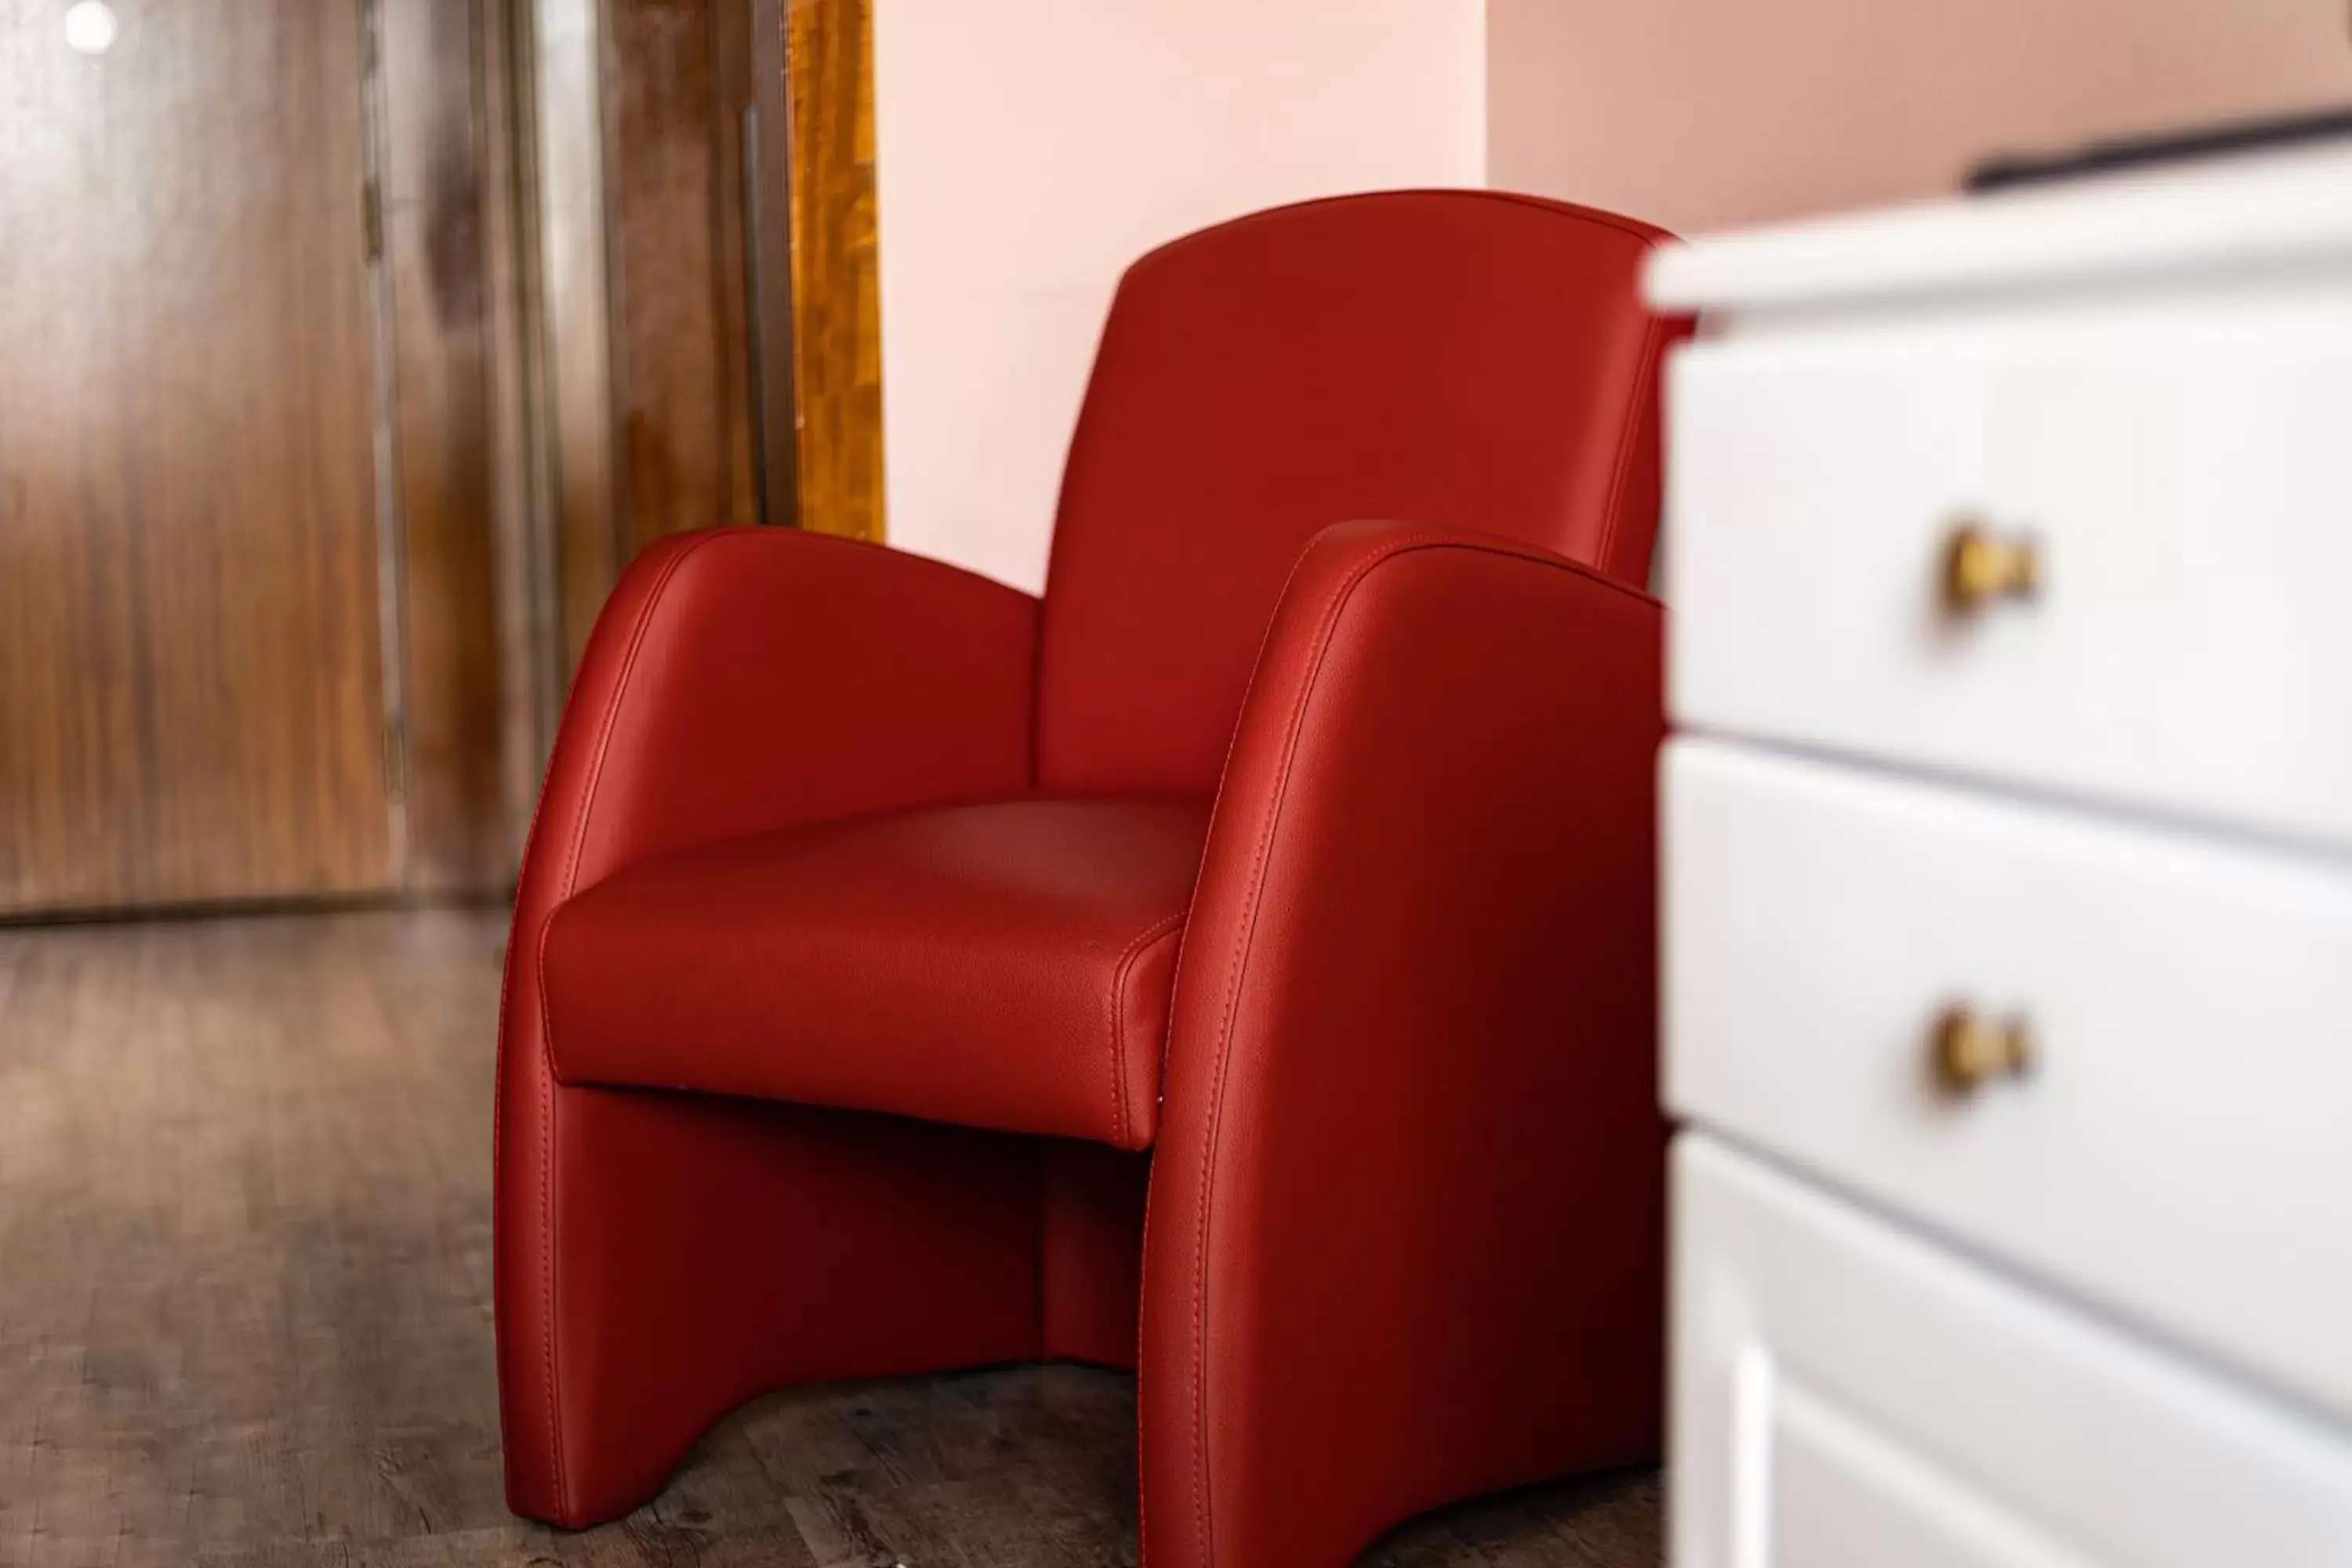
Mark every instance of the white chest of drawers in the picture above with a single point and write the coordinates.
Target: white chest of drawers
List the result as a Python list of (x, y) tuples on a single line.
[(2008, 879)]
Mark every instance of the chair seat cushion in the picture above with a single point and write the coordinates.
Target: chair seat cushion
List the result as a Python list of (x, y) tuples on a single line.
[(1005, 965)]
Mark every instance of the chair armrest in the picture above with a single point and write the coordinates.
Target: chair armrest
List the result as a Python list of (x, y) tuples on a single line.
[(738, 680), (1410, 1163), (745, 679)]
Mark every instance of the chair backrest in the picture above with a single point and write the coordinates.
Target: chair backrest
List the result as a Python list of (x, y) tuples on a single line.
[(1462, 358)]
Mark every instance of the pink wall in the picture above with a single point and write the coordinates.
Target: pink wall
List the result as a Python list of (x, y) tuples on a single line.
[(1702, 113), (1028, 150)]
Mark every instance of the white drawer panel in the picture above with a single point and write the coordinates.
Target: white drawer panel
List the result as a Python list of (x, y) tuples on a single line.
[(2186, 468), (1847, 1395), (2182, 1149)]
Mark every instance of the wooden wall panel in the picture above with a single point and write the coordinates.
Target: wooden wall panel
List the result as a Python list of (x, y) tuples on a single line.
[(677, 79), (568, 324), (532, 686), (836, 297), (453, 717), (190, 693)]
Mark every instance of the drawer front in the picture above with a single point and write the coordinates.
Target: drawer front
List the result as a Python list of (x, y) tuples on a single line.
[(2179, 1146), (2181, 471), (1848, 1395)]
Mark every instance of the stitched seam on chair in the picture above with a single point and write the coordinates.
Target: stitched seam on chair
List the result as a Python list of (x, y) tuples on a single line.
[(547, 1220), (1256, 888), (506, 987), (1253, 899), (609, 722), (619, 695), (498, 1073), (1142, 1389), (1599, 217), (1152, 936), (1628, 441), (1142, 1373), (1649, 235), (506, 984)]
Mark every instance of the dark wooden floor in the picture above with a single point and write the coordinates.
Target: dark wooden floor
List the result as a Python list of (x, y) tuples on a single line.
[(244, 1305)]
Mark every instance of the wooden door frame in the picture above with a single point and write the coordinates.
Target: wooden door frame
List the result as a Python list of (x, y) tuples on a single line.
[(768, 267)]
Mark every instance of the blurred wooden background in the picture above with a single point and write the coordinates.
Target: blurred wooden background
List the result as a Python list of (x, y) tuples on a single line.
[(348, 350)]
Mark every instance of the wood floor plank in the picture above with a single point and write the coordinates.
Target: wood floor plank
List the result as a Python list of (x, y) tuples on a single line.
[(245, 1306)]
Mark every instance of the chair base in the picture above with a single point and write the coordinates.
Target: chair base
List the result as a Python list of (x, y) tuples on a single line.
[(693, 1252), (664, 1258)]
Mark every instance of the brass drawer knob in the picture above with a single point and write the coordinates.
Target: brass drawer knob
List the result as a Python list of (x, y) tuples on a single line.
[(1981, 566), (1967, 1050)]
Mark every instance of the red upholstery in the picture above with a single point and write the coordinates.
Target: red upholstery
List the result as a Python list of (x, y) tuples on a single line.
[(1090, 1250), (1407, 1210), (654, 1254), (839, 847), (1454, 358), (1004, 965)]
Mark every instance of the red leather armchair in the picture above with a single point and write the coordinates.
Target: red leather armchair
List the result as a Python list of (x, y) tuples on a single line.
[(892, 945)]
